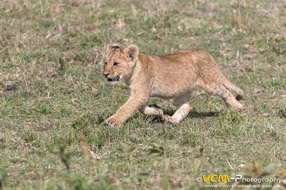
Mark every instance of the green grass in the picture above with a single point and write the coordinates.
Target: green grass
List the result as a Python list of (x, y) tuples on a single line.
[(52, 131)]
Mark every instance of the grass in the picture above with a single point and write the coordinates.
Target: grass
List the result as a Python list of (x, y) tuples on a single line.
[(54, 99)]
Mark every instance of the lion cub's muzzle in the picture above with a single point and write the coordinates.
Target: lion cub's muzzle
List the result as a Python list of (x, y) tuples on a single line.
[(113, 79)]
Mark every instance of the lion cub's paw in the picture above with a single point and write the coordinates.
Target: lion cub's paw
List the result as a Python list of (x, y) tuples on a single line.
[(169, 119), (238, 107), (112, 121)]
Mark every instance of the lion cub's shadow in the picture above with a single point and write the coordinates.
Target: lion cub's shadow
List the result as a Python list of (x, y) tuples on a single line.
[(192, 114)]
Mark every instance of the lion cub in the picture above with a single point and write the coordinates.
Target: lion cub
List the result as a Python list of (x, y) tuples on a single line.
[(169, 77)]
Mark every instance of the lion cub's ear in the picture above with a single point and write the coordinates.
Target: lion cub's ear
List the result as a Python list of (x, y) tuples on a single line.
[(132, 51), (112, 46)]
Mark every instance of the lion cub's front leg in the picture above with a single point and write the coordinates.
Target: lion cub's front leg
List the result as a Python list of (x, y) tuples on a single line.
[(151, 110), (128, 109)]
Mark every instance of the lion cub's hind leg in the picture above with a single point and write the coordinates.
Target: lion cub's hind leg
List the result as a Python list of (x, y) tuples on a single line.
[(183, 109), (225, 94)]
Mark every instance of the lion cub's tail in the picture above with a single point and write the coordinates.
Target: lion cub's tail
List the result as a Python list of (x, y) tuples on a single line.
[(236, 89)]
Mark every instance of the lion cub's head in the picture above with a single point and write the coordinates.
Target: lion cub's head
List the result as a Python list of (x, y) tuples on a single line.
[(119, 62)]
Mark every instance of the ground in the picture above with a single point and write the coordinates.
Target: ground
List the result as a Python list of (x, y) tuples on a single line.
[(54, 99)]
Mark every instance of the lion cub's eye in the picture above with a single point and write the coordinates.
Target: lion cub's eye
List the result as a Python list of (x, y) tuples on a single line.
[(115, 63)]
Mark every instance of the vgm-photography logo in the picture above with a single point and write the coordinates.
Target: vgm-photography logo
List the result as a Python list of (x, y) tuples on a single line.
[(238, 180)]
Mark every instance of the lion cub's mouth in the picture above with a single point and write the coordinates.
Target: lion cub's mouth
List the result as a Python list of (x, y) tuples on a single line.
[(113, 79)]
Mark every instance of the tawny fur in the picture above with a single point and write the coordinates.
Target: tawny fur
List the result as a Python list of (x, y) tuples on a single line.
[(169, 77)]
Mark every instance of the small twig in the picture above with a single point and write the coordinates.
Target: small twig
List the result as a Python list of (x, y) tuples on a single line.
[(229, 165)]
